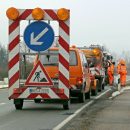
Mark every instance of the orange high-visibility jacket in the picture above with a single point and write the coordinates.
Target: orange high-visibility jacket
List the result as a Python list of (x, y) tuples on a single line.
[(110, 69), (123, 70)]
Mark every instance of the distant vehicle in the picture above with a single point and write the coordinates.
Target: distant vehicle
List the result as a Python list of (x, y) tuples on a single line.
[(79, 71), (95, 58), (94, 81)]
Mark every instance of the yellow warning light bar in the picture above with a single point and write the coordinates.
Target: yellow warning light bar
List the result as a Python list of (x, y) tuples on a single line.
[(38, 14), (96, 51), (63, 14), (12, 13)]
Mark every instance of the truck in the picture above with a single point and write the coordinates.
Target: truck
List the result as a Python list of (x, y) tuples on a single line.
[(94, 55)]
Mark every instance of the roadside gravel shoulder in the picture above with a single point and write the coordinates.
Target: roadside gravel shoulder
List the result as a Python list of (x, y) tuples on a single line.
[(85, 120)]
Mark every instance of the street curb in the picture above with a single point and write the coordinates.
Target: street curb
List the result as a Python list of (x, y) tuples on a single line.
[(128, 83), (68, 119)]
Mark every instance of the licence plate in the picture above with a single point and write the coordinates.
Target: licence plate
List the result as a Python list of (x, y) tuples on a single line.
[(39, 90)]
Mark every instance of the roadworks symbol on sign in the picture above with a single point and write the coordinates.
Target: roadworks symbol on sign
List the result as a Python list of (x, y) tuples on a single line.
[(38, 76)]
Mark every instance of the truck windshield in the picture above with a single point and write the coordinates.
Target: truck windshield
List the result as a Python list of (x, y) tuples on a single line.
[(52, 58)]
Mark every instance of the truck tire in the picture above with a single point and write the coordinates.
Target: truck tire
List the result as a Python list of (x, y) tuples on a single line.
[(18, 104), (100, 85), (81, 97), (66, 105), (94, 92), (103, 86), (37, 100), (87, 95)]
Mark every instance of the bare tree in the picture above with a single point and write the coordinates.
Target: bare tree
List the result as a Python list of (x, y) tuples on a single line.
[(3, 62)]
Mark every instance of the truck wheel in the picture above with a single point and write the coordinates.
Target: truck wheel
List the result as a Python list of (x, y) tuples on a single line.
[(100, 85), (93, 92), (82, 97), (66, 105), (37, 100), (103, 86), (87, 95), (18, 104), (106, 81)]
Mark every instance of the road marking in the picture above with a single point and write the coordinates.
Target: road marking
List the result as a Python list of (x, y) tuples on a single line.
[(78, 111), (3, 86), (2, 103), (97, 97), (116, 93), (72, 116), (126, 88)]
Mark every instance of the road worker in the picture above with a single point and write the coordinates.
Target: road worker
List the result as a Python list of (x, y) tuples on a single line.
[(122, 70), (110, 72)]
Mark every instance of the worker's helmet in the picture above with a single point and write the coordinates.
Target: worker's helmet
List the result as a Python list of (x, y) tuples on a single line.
[(122, 62)]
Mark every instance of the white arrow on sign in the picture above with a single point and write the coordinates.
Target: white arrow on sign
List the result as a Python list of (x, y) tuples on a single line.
[(34, 40)]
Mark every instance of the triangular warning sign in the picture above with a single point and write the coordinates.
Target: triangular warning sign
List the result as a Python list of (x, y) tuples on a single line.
[(38, 76)]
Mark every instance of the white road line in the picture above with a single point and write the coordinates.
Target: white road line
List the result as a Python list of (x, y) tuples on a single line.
[(78, 111), (116, 93), (97, 97), (2, 103), (126, 88), (72, 116)]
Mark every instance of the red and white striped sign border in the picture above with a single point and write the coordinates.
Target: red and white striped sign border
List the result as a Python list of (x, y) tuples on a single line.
[(14, 56)]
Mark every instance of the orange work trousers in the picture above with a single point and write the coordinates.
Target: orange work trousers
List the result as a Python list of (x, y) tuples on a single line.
[(111, 78), (123, 79)]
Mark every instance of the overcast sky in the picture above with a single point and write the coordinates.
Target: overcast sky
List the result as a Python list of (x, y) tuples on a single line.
[(92, 21)]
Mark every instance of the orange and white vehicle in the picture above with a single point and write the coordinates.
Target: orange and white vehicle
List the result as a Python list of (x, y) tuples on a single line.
[(78, 71), (95, 59)]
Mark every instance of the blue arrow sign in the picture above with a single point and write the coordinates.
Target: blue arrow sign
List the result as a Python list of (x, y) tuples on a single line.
[(39, 36)]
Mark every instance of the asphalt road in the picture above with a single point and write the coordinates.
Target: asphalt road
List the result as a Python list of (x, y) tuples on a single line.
[(105, 114), (116, 116), (33, 116)]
